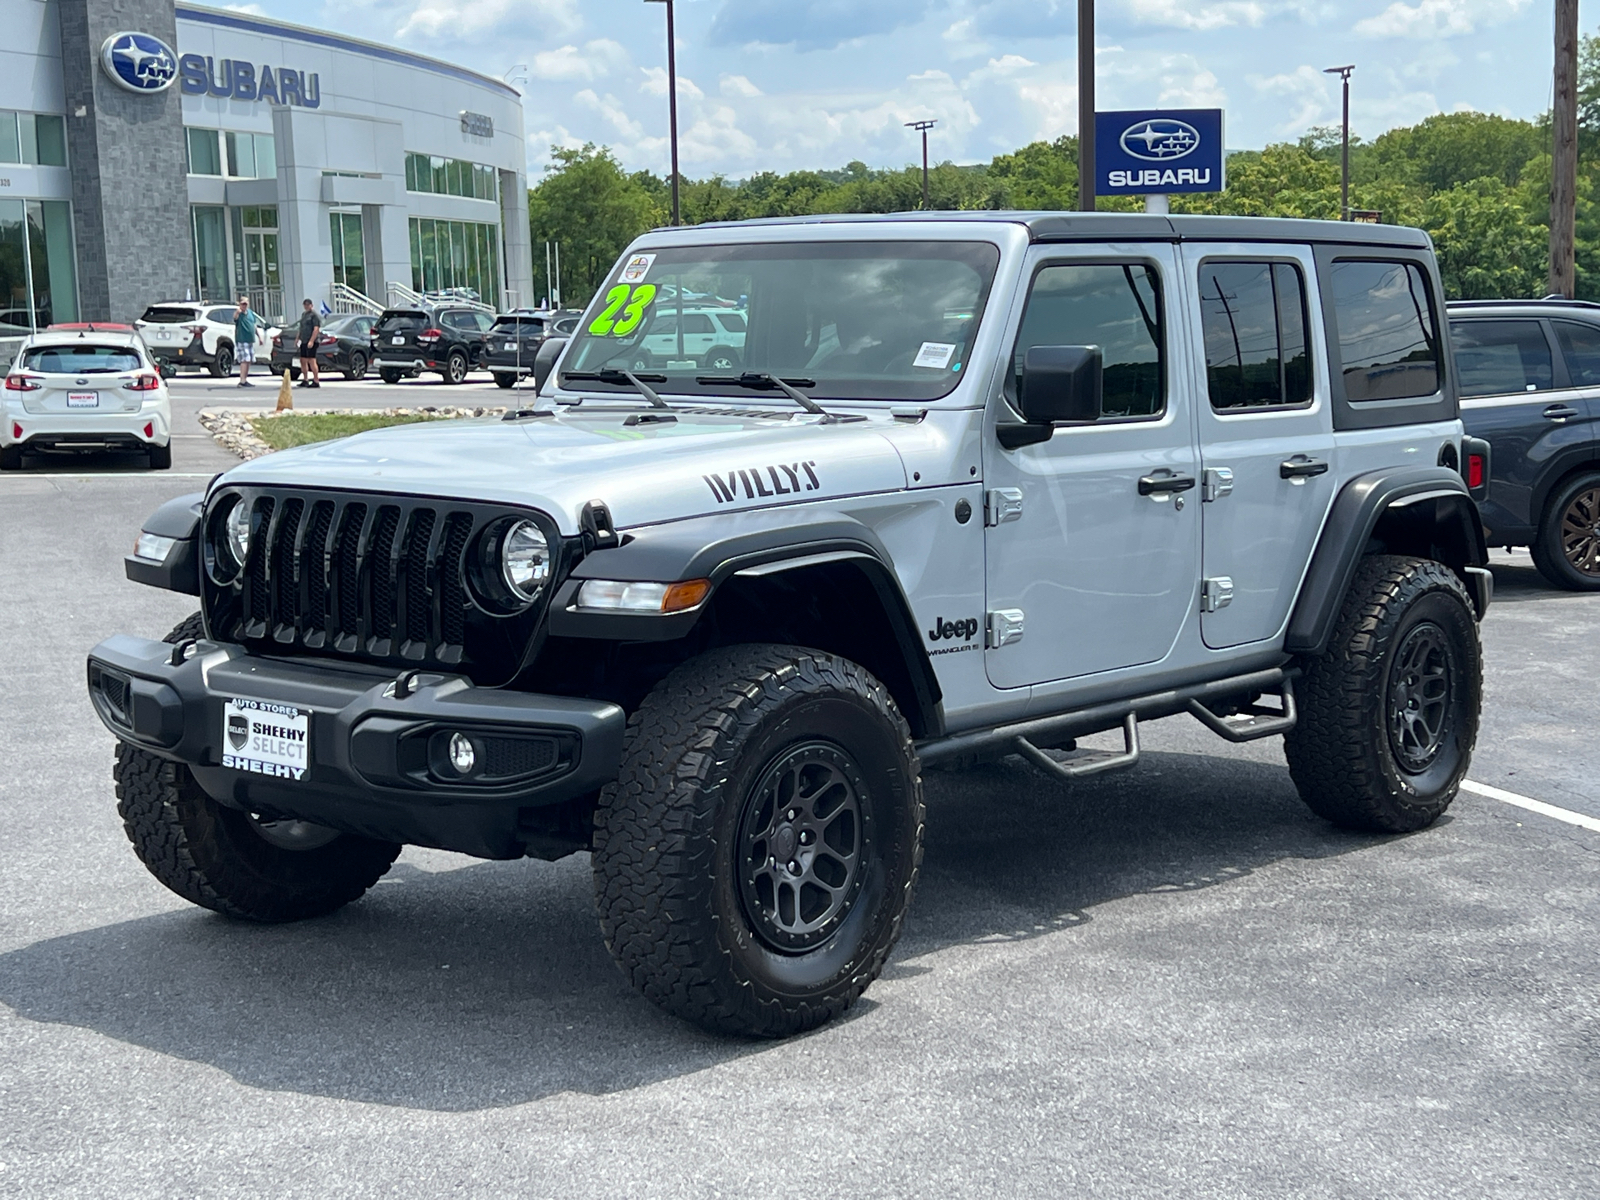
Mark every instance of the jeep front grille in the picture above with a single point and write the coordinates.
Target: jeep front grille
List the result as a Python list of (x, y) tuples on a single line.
[(372, 578)]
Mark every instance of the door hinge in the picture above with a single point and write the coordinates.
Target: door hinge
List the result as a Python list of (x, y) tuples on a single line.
[(1001, 505), (1005, 627), (1216, 483), (1216, 593)]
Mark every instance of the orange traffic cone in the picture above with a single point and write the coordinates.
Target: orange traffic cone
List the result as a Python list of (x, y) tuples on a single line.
[(285, 394)]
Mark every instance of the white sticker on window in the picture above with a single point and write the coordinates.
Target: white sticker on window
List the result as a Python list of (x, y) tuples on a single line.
[(935, 355), (637, 268)]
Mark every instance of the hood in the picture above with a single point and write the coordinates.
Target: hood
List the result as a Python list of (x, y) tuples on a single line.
[(705, 461)]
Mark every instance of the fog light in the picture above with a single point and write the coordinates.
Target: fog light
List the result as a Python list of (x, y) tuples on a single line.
[(462, 756)]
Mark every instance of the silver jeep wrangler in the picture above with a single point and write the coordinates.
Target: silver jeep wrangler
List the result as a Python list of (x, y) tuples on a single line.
[(965, 485)]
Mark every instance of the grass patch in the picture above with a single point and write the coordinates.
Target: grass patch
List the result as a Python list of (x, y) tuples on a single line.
[(296, 429)]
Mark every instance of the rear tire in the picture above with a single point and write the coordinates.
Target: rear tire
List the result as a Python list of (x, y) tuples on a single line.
[(10, 458), (161, 457), (1567, 547), (388, 375), (455, 367), (358, 366), (1389, 713), (722, 360), (222, 362), (738, 764), (503, 380), (229, 861)]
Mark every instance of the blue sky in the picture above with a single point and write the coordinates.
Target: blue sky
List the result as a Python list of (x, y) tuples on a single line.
[(783, 84)]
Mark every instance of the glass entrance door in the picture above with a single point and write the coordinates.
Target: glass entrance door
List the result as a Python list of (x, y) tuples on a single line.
[(255, 258), (349, 252)]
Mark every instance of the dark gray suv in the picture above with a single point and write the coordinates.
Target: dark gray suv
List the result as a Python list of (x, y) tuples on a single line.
[(1529, 373)]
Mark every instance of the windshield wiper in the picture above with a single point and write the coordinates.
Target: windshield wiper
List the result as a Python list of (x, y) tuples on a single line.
[(613, 376), (760, 381)]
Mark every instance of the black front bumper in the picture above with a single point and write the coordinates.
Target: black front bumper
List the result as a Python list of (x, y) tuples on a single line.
[(376, 763)]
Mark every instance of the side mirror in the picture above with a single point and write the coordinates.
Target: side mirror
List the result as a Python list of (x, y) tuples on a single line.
[(544, 362), (1061, 383)]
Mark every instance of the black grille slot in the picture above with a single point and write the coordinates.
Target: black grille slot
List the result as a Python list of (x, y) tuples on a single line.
[(380, 567), (418, 610), (256, 569), (505, 757), (115, 689), (452, 588), (314, 567), (347, 569), (286, 608)]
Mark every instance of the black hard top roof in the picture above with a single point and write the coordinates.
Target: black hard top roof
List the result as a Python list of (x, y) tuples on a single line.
[(1124, 227)]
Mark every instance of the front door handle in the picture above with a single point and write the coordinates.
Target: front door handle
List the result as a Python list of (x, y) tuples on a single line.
[(1164, 483), (1560, 412), (1301, 467)]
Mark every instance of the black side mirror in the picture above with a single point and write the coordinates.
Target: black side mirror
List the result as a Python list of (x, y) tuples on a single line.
[(1059, 383), (544, 362)]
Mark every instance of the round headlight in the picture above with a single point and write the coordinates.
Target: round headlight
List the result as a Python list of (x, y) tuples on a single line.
[(237, 528), (524, 559)]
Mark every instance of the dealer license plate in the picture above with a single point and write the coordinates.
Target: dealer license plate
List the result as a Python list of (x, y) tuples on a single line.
[(397, 340), (83, 399), (265, 738), (511, 345)]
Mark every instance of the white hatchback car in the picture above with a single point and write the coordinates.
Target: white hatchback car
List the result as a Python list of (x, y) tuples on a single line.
[(85, 387)]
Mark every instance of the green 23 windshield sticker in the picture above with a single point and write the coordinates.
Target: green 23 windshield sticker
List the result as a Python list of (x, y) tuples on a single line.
[(630, 303)]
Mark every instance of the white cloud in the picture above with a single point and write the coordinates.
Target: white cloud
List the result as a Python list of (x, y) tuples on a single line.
[(250, 10), (962, 39), (1300, 96), (1182, 14), (612, 111), (471, 20), (1438, 18), (596, 60), (655, 84), (738, 85)]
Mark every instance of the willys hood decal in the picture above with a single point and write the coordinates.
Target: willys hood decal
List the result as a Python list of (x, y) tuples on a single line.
[(647, 471)]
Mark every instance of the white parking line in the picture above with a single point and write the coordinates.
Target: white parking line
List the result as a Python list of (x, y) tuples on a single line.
[(1537, 806)]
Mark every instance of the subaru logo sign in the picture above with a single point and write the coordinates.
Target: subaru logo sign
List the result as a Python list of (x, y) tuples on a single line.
[(1160, 140), (1156, 151), (138, 62)]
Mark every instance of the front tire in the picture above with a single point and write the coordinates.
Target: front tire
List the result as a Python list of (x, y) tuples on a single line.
[(756, 856), (1567, 547), (1389, 714), (233, 862)]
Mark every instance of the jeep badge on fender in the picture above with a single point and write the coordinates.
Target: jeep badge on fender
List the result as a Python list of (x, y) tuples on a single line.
[(689, 606)]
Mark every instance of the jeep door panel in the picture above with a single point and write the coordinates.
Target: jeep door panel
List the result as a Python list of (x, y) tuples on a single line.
[(1266, 432), (1104, 575)]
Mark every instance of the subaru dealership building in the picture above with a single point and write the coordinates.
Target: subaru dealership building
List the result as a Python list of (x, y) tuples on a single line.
[(152, 151)]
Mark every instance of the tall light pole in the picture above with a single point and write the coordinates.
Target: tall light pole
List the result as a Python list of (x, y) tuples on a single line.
[(1564, 154), (1344, 170), (672, 102), (923, 127), (1086, 105)]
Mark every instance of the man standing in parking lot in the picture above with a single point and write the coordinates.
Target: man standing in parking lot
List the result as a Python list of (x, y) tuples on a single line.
[(246, 332), (310, 329)]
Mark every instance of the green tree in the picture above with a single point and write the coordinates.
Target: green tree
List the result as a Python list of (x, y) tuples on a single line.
[(1488, 247), (1284, 180), (1454, 148), (1041, 175), (593, 209)]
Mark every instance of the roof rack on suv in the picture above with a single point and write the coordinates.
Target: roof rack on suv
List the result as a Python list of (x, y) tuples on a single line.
[(1519, 301)]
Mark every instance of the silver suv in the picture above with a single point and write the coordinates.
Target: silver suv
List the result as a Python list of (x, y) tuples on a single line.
[(982, 484)]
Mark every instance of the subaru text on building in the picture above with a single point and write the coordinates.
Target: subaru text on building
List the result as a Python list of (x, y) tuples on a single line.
[(984, 483)]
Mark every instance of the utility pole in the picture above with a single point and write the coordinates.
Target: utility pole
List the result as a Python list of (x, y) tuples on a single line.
[(1086, 105), (1564, 152), (672, 102), (1344, 151), (923, 127)]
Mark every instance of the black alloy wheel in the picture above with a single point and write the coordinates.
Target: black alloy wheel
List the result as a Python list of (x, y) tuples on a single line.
[(455, 367), (358, 366), (222, 362), (1419, 697)]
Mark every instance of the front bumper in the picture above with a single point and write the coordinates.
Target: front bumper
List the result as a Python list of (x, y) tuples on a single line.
[(150, 425), (374, 764)]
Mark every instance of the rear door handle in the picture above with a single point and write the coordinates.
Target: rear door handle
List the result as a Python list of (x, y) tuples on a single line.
[(1301, 467), (1164, 484), (1560, 412)]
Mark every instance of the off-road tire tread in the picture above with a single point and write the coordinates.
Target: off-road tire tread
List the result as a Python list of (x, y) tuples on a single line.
[(174, 829), (653, 843), (1332, 751)]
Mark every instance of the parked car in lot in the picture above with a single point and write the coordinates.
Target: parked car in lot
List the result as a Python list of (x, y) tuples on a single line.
[(1529, 375), (711, 338), (450, 339), (515, 338), (76, 388), (345, 345), (987, 483), (184, 334)]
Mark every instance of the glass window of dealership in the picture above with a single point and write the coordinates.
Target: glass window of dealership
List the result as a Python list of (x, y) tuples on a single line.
[(38, 282)]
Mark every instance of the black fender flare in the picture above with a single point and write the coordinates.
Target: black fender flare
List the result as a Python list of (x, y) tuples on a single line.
[(1348, 532), (179, 519), (752, 544)]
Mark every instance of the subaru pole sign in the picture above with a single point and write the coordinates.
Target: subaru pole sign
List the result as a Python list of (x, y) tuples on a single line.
[(138, 62), (1158, 151)]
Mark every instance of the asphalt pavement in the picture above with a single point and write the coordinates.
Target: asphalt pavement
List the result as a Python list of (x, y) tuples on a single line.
[(1169, 982)]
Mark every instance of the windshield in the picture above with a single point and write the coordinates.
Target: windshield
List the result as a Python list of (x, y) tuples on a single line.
[(864, 320), (80, 360)]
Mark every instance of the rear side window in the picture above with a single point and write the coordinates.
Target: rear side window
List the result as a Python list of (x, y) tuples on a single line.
[(156, 315), (1253, 316), (222, 316), (81, 360), (1580, 346), (1388, 337), (732, 322), (1116, 306), (1499, 358)]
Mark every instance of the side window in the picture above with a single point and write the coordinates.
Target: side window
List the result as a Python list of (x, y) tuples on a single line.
[(697, 323), (1116, 306), (1388, 337), (1499, 358), (1580, 346), (732, 322), (222, 316), (484, 321), (1253, 316)]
